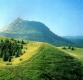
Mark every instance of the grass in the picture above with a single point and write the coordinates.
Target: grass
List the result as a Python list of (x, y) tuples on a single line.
[(53, 64), (42, 61), (31, 50), (77, 52)]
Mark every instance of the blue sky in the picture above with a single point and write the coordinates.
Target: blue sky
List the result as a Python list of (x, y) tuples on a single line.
[(63, 17)]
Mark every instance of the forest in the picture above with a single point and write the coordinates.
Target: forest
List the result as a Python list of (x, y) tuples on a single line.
[(10, 48)]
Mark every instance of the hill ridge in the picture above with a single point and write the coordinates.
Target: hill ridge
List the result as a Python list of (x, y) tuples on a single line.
[(35, 31)]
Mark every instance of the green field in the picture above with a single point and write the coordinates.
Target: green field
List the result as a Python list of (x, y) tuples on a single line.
[(42, 61), (77, 52)]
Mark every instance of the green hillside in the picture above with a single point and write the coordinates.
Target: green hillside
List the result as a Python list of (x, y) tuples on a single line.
[(77, 52), (45, 63)]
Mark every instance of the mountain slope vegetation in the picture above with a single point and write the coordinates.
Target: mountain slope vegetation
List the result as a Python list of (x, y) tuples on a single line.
[(47, 62)]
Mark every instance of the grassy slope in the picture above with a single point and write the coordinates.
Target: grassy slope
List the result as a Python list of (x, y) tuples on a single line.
[(45, 62), (30, 50), (78, 52)]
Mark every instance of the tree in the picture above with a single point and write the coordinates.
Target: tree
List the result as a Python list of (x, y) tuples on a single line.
[(10, 58), (9, 48), (72, 48), (69, 47), (23, 42), (5, 58), (63, 47)]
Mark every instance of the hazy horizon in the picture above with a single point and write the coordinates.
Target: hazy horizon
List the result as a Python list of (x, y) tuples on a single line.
[(63, 17)]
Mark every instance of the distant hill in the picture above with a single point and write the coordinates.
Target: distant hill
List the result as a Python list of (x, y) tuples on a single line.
[(32, 30), (43, 61), (76, 39)]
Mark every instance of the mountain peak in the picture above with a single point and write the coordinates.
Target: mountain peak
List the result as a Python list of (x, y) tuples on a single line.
[(33, 30), (18, 19)]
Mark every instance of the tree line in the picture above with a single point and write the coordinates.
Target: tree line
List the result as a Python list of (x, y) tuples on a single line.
[(10, 48)]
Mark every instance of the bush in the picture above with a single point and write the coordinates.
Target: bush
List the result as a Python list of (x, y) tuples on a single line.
[(9, 63), (20, 59), (72, 48)]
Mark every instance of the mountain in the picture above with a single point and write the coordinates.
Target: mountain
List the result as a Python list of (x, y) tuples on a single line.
[(76, 39), (33, 30), (42, 61)]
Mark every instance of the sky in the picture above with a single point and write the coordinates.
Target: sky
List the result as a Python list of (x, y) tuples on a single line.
[(63, 17)]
